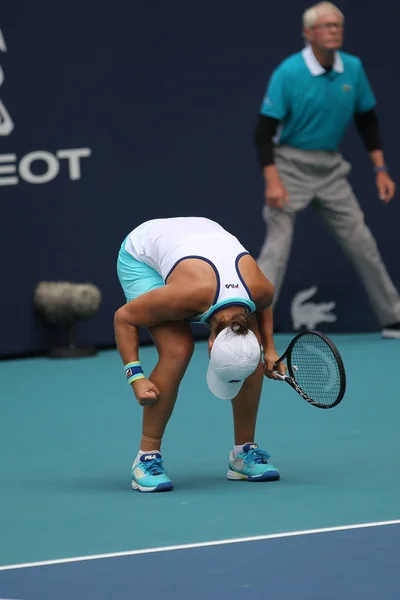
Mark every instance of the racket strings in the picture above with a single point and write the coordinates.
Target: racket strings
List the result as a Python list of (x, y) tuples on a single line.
[(316, 369)]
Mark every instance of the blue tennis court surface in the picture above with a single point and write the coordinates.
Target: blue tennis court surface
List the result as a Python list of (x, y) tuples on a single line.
[(347, 564), (71, 527)]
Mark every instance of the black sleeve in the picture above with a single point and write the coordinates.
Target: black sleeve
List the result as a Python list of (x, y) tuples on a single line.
[(368, 128), (265, 130)]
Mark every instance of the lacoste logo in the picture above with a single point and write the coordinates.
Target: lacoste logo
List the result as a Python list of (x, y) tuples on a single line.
[(310, 314)]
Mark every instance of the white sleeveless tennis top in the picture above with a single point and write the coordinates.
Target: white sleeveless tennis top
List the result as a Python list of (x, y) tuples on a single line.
[(163, 243)]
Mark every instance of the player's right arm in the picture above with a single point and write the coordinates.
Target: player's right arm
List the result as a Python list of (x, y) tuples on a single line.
[(159, 306)]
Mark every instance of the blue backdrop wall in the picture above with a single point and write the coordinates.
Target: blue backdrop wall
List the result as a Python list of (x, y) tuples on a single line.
[(114, 113)]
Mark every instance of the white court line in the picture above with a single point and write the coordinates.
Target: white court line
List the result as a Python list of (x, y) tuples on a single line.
[(256, 538)]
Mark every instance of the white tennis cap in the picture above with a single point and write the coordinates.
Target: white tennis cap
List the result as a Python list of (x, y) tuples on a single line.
[(233, 358)]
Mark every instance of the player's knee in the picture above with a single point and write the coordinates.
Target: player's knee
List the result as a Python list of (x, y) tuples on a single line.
[(119, 316)]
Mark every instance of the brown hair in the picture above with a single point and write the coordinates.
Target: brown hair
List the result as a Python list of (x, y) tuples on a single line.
[(239, 323)]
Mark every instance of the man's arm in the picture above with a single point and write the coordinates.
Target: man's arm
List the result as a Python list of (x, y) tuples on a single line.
[(368, 128), (275, 192), (273, 110), (265, 131), (366, 121), (384, 183)]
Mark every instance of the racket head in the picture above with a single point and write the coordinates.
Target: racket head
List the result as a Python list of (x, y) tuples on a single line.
[(314, 363)]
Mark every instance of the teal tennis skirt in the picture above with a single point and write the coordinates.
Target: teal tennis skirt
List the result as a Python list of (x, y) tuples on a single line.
[(136, 278)]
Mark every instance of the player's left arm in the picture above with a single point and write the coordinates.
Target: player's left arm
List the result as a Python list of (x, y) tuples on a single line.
[(265, 322)]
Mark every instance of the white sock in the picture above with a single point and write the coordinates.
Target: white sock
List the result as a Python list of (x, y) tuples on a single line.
[(237, 449)]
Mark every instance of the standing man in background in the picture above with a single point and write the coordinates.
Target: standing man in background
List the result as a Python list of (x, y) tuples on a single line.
[(311, 99)]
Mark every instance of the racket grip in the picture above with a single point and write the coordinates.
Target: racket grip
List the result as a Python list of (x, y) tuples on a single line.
[(279, 375)]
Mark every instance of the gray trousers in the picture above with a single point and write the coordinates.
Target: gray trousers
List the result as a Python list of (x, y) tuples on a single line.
[(320, 178)]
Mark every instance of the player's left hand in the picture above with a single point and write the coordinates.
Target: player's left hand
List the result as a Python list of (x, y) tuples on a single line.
[(270, 359), (386, 186)]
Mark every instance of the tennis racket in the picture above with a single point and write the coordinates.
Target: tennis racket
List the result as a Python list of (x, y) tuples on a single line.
[(315, 369)]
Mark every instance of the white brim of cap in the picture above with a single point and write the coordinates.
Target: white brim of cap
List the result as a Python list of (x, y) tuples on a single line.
[(225, 391)]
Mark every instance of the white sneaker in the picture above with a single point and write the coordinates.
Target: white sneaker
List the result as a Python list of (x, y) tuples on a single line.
[(251, 465), (391, 331)]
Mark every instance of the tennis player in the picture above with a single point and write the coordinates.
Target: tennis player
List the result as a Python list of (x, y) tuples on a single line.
[(183, 270)]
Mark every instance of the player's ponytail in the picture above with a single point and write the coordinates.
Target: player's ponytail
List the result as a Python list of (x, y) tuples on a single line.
[(238, 323)]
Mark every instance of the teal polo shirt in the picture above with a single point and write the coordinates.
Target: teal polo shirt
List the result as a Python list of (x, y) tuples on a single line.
[(316, 106)]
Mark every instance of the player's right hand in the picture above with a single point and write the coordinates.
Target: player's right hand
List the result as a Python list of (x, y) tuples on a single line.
[(145, 391), (271, 364)]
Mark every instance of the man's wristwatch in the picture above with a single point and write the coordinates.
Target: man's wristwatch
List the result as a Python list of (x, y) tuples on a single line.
[(379, 169)]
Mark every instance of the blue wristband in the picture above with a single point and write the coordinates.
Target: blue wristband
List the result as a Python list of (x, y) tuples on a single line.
[(133, 371), (379, 169)]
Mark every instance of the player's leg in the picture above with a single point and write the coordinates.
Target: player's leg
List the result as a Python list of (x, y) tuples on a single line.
[(174, 343), (247, 461)]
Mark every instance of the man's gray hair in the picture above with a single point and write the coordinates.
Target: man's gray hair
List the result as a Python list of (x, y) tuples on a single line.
[(310, 16)]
